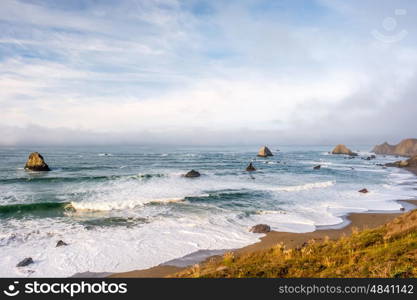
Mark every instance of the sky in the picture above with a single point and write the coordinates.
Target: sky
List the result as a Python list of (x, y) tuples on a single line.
[(207, 72)]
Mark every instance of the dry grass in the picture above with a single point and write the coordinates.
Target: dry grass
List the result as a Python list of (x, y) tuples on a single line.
[(387, 251)]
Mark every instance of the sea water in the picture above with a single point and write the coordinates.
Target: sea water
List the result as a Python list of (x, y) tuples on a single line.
[(124, 208)]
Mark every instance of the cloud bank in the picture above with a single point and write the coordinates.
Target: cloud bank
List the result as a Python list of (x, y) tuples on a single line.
[(207, 72)]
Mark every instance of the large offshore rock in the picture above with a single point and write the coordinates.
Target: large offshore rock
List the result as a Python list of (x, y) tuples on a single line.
[(36, 162), (342, 149)]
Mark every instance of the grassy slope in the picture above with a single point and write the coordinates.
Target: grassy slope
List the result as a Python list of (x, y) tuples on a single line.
[(387, 251)]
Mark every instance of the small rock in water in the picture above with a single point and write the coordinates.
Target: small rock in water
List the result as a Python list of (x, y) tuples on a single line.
[(402, 208), (36, 162), (250, 168), (363, 191), (25, 262), (192, 174), (61, 243), (317, 167), (260, 228)]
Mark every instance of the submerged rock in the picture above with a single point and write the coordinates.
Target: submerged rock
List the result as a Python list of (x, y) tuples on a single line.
[(36, 162), (250, 168), (192, 174), (25, 262), (342, 149), (317, 167), (264, 152), (61, 243), (364, 191), (260, 228)]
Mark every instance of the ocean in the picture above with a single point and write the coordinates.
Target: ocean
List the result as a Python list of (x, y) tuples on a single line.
[(121, 208)]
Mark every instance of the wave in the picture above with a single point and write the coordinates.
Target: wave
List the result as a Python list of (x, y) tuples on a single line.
[(33, 207), (118, 205), (226, 195), (80, 206), (48, 179), (55, 179), (304, 187), (113, 222)]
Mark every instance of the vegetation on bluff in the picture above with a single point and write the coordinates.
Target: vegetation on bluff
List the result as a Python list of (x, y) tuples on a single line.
[(387, 251)]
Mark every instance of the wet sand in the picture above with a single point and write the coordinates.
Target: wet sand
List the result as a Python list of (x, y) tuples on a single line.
[(356, 220)]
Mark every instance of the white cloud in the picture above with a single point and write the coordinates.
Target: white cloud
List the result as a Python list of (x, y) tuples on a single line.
[(156, 68)]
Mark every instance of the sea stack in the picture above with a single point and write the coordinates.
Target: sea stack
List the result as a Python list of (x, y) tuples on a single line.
[(407, 147), (342, 149), (264, 152), (36, 162), (250, 168)]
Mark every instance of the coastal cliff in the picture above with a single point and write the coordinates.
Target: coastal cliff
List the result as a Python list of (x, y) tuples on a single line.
[(407, 147)]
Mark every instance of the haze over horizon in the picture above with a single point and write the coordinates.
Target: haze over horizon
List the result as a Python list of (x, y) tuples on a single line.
[(207, 72)]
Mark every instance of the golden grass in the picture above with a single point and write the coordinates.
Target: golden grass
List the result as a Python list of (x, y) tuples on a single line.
[(387, 251)]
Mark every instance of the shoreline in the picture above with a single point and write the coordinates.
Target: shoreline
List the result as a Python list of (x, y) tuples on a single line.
[(365, 220), (360, 221)]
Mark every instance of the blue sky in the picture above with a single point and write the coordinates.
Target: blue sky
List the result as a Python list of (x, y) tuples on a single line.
[(207, 72)]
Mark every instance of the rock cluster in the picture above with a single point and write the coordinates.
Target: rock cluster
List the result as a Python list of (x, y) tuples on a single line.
[(410, 163)]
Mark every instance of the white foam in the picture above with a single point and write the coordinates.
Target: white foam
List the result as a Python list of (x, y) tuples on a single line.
[(303, 187), (118, 205), (116, 249)]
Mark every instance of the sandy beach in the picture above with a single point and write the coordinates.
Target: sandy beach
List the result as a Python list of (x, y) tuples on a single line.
[(356, 221)]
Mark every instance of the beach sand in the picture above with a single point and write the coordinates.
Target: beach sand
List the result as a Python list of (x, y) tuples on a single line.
[(356, 221)]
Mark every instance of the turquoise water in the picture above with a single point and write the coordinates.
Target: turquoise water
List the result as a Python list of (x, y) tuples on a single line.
[(123, 208)]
